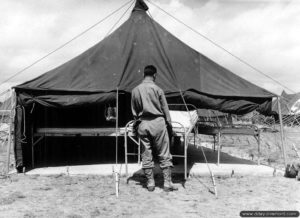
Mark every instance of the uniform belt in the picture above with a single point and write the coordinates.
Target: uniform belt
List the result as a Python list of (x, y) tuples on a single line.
[(149, 117)]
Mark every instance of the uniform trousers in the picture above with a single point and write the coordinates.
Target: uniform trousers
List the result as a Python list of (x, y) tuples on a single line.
[(154, 136)]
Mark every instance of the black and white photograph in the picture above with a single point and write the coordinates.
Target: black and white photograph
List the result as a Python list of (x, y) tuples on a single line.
[(149, 108)]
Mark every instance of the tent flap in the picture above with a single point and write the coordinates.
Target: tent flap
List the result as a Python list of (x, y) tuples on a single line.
[(74, 99), (231, 105)]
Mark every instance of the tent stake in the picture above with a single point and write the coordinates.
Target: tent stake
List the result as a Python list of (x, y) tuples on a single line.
[(116, 178), (281, 131)]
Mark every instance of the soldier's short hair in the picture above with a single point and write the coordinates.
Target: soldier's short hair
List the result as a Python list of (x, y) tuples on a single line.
[(149, 70)]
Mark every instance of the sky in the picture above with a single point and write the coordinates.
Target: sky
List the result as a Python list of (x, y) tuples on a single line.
[(263, 33)]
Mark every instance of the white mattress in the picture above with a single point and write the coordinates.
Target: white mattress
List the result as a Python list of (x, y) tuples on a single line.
[(187, 119)]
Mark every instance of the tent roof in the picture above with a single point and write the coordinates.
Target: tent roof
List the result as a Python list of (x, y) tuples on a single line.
[(118, 62)]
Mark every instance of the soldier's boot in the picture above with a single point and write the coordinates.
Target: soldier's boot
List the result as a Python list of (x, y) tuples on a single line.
[(168, 185), (150, 179)]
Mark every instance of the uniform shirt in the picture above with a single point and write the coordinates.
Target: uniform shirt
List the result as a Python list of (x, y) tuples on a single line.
[(149, 101)]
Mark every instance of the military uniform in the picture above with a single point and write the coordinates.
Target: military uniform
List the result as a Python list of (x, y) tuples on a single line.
[(149, 106)]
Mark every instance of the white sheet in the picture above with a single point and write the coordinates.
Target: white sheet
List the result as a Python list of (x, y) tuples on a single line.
[(186, 118)]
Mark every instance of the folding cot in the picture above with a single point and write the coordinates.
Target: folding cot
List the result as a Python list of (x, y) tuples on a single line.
[(217, 130), (39, 134)]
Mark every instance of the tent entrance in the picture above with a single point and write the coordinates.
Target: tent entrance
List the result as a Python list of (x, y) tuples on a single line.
[(77, 135)]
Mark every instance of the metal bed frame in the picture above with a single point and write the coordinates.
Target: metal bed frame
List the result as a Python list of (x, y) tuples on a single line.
[(216, 130), (41, 133), (199, 127)]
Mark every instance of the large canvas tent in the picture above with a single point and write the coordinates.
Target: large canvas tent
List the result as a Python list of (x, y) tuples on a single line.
[(115, 66)]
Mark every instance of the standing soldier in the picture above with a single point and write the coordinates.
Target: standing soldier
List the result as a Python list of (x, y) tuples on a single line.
[(153, 126)]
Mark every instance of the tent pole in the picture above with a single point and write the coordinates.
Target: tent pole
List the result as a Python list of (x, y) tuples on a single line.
[(8, 147), (9, 143), (281, 130), (117, 123), (115, 172)]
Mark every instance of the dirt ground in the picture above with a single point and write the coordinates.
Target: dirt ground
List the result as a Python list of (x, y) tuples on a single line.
[(92, 196)]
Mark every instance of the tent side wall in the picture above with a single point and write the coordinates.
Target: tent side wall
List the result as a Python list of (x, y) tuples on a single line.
[(35, 110)]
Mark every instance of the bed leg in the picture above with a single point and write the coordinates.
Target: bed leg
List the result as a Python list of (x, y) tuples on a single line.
[(40, 155), (46, 152), (139, 151), (32, 154), (125, 148), (194, 139), (32, 148), (219, 148), (258, 143), (185, 158), (214, 142)]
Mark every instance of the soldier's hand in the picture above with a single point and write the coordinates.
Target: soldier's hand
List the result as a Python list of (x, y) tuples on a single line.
[(135, 127), (170, 131)]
